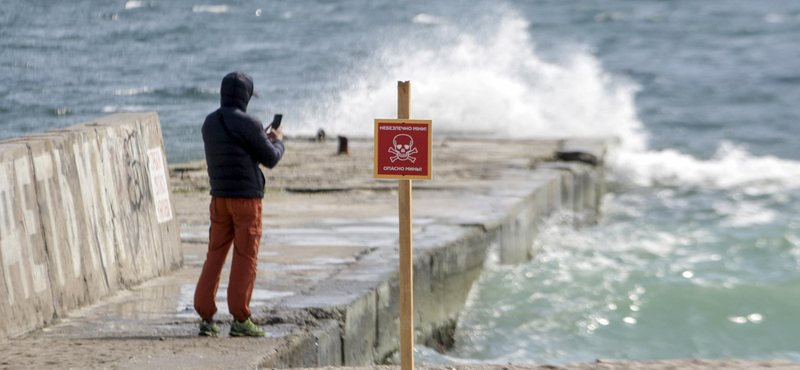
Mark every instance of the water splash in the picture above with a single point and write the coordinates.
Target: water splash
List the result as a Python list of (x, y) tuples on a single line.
[(731, 167), (489, 79), (486, 78), (423, 18)]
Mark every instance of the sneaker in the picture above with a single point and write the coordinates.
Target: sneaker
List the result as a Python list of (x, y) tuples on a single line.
[(208, 329), (245, 329)]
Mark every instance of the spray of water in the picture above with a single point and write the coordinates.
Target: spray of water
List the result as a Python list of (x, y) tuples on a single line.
[(489, 81), (486, 78)]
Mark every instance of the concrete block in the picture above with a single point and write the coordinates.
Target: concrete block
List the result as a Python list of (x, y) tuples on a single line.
[(132, 148), (318, 347), (124, 158), (388, 319), (358, 338), (353, 305), (438, 308), (555, 196), (465, 253), (574, 184), (121, 188), (63, 230), (80, 217), (142, 164), (455, 292), (303, 353), (25, 291), (424, 303), (92, 207), (512, 238), (298, 349), (567, 190), (583, 187), (590, 189), (168, 222), (329, 343)]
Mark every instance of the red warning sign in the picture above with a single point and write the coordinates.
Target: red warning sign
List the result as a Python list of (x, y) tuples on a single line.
[(402, 149)]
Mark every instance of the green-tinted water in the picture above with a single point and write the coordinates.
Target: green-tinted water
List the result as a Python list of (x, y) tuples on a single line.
[(669, 272)]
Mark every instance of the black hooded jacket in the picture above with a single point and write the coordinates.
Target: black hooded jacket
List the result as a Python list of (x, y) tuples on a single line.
[(233, 162)]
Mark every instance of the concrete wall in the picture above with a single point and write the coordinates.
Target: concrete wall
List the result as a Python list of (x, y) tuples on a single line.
[(84, 212)]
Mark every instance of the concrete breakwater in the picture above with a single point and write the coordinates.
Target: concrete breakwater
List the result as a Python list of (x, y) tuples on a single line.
[(326, 291), (85, 211), (364, 298), (479, 202)]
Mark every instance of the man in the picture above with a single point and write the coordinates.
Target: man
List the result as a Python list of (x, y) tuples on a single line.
[(235, 143)]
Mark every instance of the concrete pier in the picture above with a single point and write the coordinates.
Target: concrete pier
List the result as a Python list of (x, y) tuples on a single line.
[(79, 217), (326, 292)]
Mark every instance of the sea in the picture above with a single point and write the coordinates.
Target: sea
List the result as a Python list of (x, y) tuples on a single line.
[(697, 252)]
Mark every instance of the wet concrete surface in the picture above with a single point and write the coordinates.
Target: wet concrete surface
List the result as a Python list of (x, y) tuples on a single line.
[(319, 249)]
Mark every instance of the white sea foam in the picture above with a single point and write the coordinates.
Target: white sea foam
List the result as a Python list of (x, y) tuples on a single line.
[(731, 167), (124, 108), (742, 213), (136, 91), (776, 18), (210, 8), (133, 4), (208, 91), (428, 19)]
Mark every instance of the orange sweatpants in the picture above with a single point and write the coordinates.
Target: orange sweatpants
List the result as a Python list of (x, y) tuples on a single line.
[(236, 220)]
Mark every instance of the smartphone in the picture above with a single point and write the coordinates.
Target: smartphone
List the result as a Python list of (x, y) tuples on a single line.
[(276, 122)]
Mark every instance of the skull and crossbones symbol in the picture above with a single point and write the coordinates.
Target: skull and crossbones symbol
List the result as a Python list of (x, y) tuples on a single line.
[(403, 148)]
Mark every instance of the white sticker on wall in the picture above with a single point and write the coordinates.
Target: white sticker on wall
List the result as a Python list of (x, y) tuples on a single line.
[(158, 182)]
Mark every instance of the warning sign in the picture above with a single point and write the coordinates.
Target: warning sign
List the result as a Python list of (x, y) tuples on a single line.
[(402, 149), (158, 182)]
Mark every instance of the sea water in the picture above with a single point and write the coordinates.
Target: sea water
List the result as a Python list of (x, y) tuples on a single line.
[(698, 249)]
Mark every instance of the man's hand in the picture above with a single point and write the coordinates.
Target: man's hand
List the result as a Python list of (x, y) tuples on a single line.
[(276, 134)]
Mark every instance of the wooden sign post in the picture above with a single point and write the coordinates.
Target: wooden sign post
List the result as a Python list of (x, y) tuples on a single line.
[(403, 152), (406, 247)]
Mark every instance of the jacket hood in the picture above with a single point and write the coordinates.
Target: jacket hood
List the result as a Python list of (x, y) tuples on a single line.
[(236, 90)]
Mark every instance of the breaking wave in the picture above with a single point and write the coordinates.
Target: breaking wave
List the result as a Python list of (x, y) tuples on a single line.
[(731, 167), (490, 80)]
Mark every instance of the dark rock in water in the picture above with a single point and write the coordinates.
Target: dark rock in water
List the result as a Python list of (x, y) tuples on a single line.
[(342, 146), (576, 156)]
